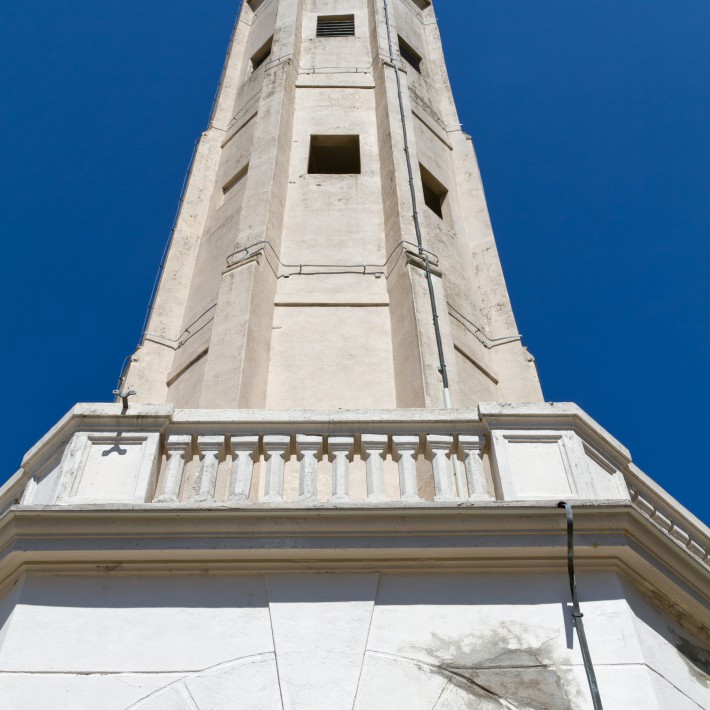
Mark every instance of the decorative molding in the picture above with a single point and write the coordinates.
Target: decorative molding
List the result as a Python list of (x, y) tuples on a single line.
[(562, 446), (662, 517), (140, 539)]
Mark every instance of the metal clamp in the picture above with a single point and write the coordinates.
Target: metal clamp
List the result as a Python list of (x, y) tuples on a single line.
[(124, 395)]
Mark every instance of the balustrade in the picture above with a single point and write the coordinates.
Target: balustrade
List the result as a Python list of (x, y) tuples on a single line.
[(176, 448), (416, 468), (523, 454)]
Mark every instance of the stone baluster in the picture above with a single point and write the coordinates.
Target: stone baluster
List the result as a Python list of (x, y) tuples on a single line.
[(277, 449), (244, 449), (341, 449), (473, 462), (178, 447), (440, 449), (309, 450), (374, 446), (211, 449), (406, 448)]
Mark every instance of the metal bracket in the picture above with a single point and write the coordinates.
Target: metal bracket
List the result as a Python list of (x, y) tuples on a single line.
[(124, 395)]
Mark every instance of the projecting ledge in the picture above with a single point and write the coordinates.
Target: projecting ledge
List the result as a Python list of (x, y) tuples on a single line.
[(538, 414), (289, 460), (144, 539)]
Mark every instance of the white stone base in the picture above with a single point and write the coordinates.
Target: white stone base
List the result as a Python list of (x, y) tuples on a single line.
[(339, 641)]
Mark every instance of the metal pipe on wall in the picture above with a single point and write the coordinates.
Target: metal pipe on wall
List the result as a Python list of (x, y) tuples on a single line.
[(577, 611), (458, 474)]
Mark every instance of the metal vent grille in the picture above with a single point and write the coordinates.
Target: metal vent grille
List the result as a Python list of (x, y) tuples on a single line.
[(336, 26)]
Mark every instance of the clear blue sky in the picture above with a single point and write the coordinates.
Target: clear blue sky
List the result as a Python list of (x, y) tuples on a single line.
[(592, 126)]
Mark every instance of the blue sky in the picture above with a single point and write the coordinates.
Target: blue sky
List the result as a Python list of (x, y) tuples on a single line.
[(590, 121)]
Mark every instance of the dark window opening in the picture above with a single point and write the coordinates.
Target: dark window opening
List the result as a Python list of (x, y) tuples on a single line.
[(434, 192), (334, 155), (255, 4), (336, 26), (262, 55), (422, 4), (409, 55)]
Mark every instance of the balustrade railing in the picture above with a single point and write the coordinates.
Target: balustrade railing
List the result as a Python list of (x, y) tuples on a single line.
[(157, 456), (308, 468)]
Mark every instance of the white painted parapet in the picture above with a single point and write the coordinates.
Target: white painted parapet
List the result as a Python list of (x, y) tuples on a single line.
[(326, 559), (161, 456)]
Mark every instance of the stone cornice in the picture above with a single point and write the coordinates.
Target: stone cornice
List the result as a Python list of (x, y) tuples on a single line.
[(498, 536), (552, 414), (671, 537), (140, 417)]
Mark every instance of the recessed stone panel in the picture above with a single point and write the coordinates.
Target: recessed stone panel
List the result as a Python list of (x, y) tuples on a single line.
[(535, 465), (109, 467), (538, 468)]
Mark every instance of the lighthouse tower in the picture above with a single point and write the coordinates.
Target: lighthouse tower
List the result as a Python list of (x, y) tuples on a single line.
[(330, 479), (334, 248)]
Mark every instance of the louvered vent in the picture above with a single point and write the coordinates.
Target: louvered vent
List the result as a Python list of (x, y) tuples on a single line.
[(336, 26)]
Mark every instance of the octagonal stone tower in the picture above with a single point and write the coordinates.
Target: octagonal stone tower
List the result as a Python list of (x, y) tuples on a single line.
[(336, 483), (298, 276)]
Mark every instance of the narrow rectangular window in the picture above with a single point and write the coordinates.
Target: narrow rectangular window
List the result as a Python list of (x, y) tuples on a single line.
[(262, 54), (409, 55), (334, 155), (235, 179), (335, 26), (434, 192)]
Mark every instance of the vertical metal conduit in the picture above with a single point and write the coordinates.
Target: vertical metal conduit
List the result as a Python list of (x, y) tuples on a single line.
[(415, 212), (577, 612), (458, 475)]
